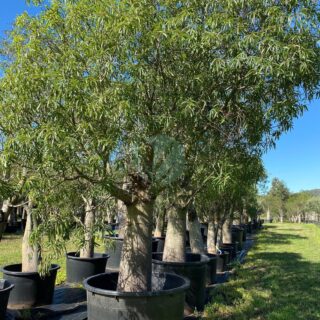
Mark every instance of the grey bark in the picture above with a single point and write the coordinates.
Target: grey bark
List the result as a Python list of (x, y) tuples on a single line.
[(159, 231), (136, 262), (87, 251), (213, 229), (194, 226), (175, 245), (226, 231), (30, 253)]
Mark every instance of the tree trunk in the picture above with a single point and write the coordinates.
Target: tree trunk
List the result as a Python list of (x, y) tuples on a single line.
[(268, 215), (30, 258), (226, 231), (212, 237), (175, 245), (196, 241), (135, 273), (87, 251), (6, 210), (122, 218), (159, 231), (281, 217)]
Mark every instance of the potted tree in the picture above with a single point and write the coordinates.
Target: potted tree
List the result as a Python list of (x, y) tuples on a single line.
[(100, 107)]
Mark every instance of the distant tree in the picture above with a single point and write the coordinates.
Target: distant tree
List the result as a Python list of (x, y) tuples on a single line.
[(277, 198), (297, 206)]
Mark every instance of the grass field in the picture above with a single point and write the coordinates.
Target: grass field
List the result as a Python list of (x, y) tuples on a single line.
[(279, 281), (10, 253)]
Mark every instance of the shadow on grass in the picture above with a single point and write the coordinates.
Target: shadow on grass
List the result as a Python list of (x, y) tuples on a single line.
[(271, 286)]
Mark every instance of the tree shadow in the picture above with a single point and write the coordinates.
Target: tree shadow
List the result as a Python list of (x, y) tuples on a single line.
[(270, 286)]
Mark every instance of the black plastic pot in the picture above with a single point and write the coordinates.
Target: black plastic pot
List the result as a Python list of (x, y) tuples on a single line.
[(29, 288), (79, 269), (194, 269), (231, 248), (249, 227), (223, 259), (160, 244), (5, 288), (114, 252), (165, 301), (211, 269), (237, 236)]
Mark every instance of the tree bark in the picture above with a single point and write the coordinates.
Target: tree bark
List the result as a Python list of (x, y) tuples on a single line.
[(6, 211), (212, 237), (87, 251), (30, 257), (196, 241), (122, 218), (175, 245), (226, 231), (159, 231), (135, 273)]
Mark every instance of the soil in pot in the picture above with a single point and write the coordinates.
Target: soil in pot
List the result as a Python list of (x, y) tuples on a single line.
[(5, 288), (211, 276), (29, 288), (79, 269), (194, 269), (165, 301)]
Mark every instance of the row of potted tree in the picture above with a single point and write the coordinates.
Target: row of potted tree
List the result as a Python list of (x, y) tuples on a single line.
[(136, 101)]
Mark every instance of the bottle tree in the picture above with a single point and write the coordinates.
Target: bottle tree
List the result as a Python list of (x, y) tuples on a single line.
[(105, 90)]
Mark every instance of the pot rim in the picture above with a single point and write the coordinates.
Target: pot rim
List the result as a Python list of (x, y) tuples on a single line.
[(9, 288), (203, 260), (54, 267), (114, 293), (97, 256)]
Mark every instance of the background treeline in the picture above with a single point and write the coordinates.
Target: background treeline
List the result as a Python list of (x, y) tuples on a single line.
[(279, 204)]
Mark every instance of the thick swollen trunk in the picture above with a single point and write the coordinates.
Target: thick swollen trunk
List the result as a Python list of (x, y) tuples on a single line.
[(268, 214), (122, 217), (196, 241), (175, 245), (227, 231), (135, 273), (159, 231), (6, 210), (87, 251), (212, 238), (30, 252), (281, 217)]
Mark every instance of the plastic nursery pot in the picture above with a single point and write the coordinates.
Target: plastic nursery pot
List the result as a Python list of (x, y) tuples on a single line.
[(211, 276), (249, 227), (5, 288), (114, 252), (165, 301), (237, 236), (231, 248), (79, 269), (194, 269), (160, 244), (223, 258), (29, 288)]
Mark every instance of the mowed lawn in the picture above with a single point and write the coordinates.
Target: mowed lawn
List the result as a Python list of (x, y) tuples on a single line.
[(10, 253), (280, 279)]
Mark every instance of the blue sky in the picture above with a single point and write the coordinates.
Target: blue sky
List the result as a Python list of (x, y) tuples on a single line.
[(296, 159)]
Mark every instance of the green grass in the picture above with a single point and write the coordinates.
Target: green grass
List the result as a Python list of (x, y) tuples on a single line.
[(10, 253), (280, 279)]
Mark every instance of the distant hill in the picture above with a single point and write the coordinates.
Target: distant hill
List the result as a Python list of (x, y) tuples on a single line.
[(314, 192)]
